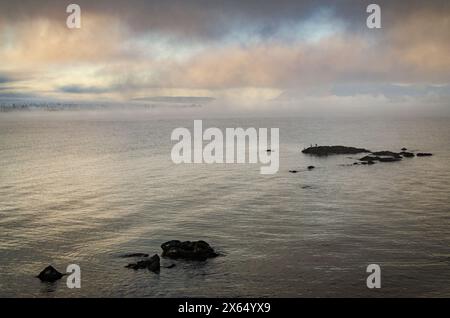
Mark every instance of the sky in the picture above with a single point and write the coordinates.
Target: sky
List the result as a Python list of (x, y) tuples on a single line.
[(252, 55)]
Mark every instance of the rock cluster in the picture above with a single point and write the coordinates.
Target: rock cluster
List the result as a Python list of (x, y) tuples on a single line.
[(372, 158)]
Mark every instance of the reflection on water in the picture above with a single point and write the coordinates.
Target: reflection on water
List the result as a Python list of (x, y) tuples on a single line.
[(86, 191)]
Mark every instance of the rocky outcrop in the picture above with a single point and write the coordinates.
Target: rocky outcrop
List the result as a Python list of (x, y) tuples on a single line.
[(152, 264), (198, 251), (49, 274), (333, 150)]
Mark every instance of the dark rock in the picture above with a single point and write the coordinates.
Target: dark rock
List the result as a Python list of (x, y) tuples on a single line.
[(424, 154), (269, 150), (333, 150), (293, 171), (370, 162), (311, 167), (369, 158), (171, 266), (404, 149), (134, 255), (49, 274), (387, 154), (198, 251), (389, 159), (356, 163), (407, 154), (152, 264)]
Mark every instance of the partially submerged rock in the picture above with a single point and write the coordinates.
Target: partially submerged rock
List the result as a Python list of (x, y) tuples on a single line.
[(369, 158), (153, 264), (311, 167), (389, 159), (134, 255), (333, 150), (424, 154), (387, 154), (406, 154), (50, 274), (293, 171), (198, 251)]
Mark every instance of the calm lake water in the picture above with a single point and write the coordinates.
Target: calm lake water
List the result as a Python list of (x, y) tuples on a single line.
[(84, 190)]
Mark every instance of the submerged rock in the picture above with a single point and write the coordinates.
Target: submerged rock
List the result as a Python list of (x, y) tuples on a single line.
[(387, 154), (50, 274), (389, 159), (134, 255), (406, 154), (369, 158), (333, 150), (198, 251), (153, 264), (424, 154)]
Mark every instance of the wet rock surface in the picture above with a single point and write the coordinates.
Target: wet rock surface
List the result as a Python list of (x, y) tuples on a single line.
[(152, 264), (424, 154), (372, 158), (333, 150), (406, 154), (198, 251), (50, 274), (130, 255)]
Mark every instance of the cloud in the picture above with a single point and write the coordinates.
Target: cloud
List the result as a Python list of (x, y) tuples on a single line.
[(176, 99), (251, 49)]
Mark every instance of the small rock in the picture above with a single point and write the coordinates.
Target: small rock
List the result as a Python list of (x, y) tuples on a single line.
[(50, 274), (152, 264), (369, 158), (404, 149), (311, 167), (407, 154), (389, 159), (171, 266), (387, 154), (197, 251), (424, 154), (293, 171), (134, 255), (333, 150)]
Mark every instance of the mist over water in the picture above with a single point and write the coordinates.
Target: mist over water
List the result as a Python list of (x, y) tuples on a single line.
[(84, 189)]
